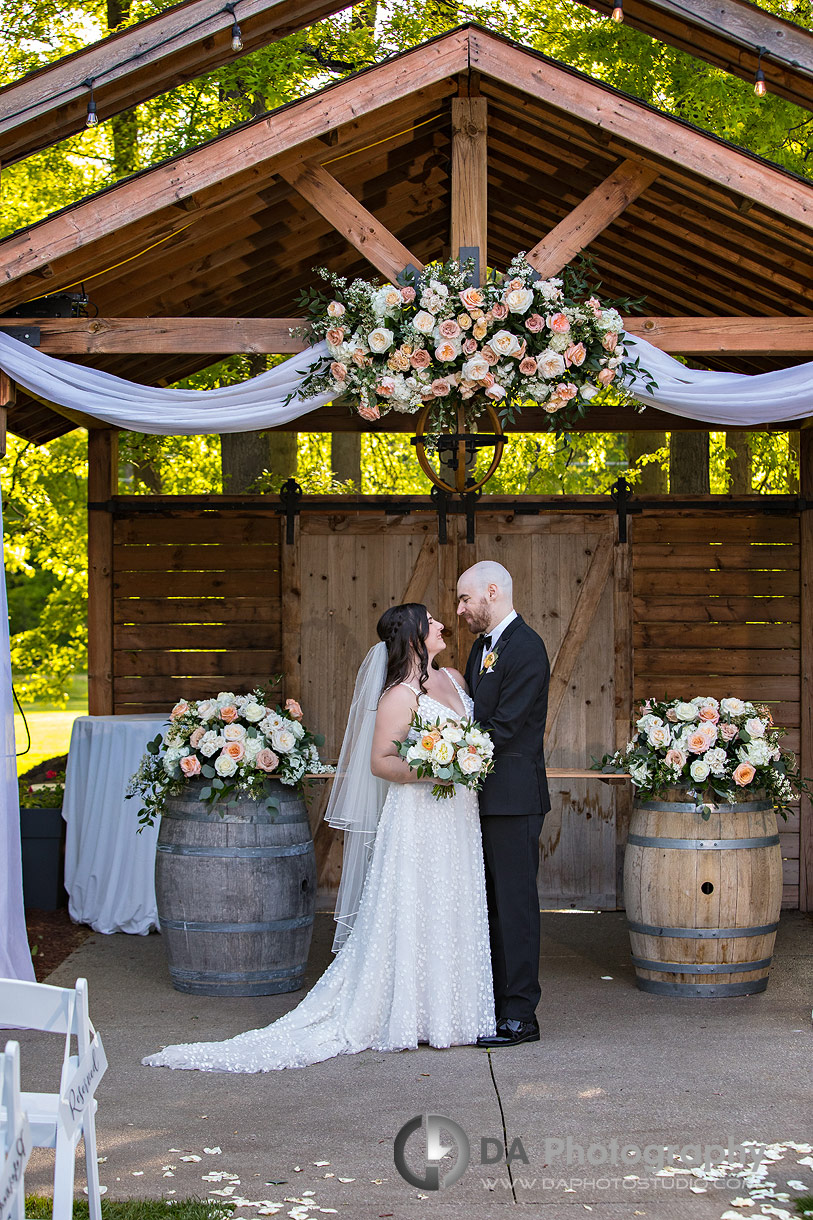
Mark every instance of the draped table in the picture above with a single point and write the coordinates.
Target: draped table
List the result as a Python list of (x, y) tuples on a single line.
[(109, 867)]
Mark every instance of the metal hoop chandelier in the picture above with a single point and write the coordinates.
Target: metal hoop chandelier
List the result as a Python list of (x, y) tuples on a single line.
[(461, 447)]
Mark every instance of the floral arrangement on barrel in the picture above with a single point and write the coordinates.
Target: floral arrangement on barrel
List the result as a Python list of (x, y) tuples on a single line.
[(235, 745), (722, 749), (441, 341)]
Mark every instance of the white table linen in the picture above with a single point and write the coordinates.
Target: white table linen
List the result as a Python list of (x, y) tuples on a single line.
[(109, 867)]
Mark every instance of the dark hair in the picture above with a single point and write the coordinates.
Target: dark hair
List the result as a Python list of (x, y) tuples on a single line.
[(404, 630)]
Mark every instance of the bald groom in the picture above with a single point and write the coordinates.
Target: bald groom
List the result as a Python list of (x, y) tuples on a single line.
[(508, 674)]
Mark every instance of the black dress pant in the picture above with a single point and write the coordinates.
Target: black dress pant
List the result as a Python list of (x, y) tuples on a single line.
[(511, 851)]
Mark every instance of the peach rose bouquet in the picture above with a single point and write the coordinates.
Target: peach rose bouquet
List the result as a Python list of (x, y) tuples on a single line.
[(718, 749), (452, 751), (232, 746), (436, 340)]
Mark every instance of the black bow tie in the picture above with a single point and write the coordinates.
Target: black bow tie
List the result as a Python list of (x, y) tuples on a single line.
[(486, 642)]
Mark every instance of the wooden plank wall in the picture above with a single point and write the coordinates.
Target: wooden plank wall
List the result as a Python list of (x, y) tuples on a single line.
[(716, 608), (196, 604)]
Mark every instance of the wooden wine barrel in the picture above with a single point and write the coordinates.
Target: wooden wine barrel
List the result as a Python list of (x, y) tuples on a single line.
[(236, 894), (702, 897)]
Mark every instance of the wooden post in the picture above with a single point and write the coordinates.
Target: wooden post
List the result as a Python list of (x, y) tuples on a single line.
[(291, 602), (623, 684), (806, 691), (470, 177), (102, 484), (8, 394)]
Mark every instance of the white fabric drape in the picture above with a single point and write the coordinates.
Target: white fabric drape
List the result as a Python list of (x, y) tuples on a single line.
[(720, 399), (15, 959)]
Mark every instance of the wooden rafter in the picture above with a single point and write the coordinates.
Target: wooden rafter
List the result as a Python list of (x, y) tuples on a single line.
[(350, 218), (140, 63), (591, 217), (225, 336), (728, 34)]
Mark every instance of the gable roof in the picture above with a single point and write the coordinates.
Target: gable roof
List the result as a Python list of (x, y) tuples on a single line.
[(219, 232)]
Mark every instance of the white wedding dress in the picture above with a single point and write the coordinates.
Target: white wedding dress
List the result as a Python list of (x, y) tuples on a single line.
[(416, 966)]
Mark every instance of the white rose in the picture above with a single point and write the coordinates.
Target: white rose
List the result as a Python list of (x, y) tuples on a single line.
[(225, 765), (686, 711), (443, 752), (550, 363), (755, 727), (476, 738), (335, 309), (254, 712), (234, 732), (226, 697), (699, 770), (733, 707), (283, 740), (469, 763), (505, 344), (210, 743), (638, 773), (380, 339), (649, 721), (495, 392), (704, 701), (476, 368), (519, 300), (588, 392), (296, 728), (424, 322), (207, 709), (658, 736), (415, 753), (453, 733)]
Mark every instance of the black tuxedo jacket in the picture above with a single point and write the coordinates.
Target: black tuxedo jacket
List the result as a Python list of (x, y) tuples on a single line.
[(511, 703)]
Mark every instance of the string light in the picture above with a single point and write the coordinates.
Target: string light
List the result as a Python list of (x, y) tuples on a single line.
[(760, 88), (618, 11), (92, 119), (236, 34)]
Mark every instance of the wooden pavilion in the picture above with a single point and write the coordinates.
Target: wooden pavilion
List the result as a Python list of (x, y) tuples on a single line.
[(468, 141)]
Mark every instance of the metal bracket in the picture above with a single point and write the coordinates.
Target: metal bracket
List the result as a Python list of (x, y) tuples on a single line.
[(472, 252), (24, 334), (470, 502), (291, 496), (620, 494), (441, 501)]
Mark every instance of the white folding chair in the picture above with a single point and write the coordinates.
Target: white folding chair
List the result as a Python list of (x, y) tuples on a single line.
[(11, 1112), (58, 1010)]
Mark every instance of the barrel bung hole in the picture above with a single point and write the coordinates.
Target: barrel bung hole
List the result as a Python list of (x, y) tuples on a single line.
[(304, 885), (707, 887)]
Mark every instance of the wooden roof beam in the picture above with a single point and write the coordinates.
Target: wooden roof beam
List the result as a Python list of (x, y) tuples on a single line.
[(590, 218), (728, 34), (350, 218), (139, 63)]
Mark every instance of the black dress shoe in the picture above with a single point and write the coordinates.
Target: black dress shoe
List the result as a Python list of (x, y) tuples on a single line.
[(511, 1033)]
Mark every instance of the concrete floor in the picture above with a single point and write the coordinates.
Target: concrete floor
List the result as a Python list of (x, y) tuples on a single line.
[(613, 1064)]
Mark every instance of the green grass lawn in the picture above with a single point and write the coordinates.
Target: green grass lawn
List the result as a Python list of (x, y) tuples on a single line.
[(39, 1208), (50, 727)]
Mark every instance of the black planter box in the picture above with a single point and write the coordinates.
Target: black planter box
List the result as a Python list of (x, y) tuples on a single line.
[(42, 832)]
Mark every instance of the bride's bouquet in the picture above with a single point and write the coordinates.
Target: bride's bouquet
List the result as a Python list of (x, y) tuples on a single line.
[(454, 751)]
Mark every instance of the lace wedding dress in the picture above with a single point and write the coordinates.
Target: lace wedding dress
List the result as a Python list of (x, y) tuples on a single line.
[(416, 966)]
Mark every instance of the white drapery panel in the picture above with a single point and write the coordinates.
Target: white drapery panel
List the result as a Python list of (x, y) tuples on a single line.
[(721, 399), (15, 959)]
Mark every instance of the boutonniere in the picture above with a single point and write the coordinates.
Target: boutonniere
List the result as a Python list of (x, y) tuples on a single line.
[(489, 661)]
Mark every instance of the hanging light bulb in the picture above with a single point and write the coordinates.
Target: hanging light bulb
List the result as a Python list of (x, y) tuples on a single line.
[(760, 88), (618, 11), (236, 33), (92, 119)]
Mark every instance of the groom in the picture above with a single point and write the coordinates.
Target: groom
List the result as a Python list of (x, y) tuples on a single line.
[(508, 674)]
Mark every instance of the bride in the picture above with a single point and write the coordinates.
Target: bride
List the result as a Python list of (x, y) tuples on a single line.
[(413, 961)]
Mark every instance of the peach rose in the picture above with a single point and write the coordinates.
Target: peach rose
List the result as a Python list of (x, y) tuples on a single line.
[(335, 310), (697, 742), (490, 355), (369, 413), (610, 341), (728, 731), (228, 714), (408, 294), (499, 311), (488, 380), (234, 749), (606, 376), (440, 387), (535, 323), (337, 371), (675, 758), (464, 321), (447, 350), (385, 387), (480, 330), (266, 760), (360, 358), (420, 359), (744, 774), (575, 354), (495, 392), (566, 392), (472, 298), (179, 710), (293, 709), (449, 329), (671, 715), (559, 323), (335, 335), (469, 347), (190, 765), (194, 740), (528, 366), (709, 712)]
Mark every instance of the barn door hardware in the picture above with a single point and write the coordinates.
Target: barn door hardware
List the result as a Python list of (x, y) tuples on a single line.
[(291, 496), (441, 501), (470, 503), (620, 495)]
